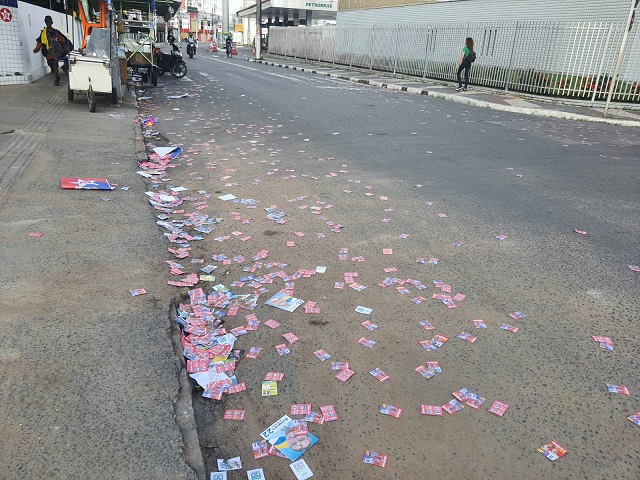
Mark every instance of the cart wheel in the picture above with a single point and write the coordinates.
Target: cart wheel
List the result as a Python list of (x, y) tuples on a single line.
[(160, 71), (154, 76), (114, 96), (179, 69), (91, 96), (70, 93)]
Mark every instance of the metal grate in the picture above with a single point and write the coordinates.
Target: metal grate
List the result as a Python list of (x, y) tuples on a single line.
[(566, 59)]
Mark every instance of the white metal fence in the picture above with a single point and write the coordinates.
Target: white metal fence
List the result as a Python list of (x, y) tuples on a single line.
[(571, 59)]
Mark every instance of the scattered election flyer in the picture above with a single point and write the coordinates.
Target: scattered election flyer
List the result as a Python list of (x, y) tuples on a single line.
[(253, 352), (233, 415), (431, 410), (301, 470), (391, 410), (365, 342), (606, 343), (231, 464), (345, 374), (282, 436), (329, 413), (553, 451), (635, 418), (374, 458), (468, 337), (621, 389), (255, 474), (260, 449), (379, 374), (427, 325), (269, 388), (282, 349), (452, 406), (511, 328), (284, 302), (218, 476), (166, 151), (322, 355), (479, 323), (369, 325), (85, 183), (498, 408), (227, 197), (365, 310), (300, 409)]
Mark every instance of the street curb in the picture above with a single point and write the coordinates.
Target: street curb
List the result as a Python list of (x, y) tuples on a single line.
[(539, 112), (182, 400)]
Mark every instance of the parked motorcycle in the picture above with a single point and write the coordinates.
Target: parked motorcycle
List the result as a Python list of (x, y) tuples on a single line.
[(170, 62), (191, 47)]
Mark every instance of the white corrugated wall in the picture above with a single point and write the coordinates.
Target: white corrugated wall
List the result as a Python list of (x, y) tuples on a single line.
[(492, 11)]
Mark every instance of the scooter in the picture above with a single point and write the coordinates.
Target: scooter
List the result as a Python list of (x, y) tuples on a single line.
[(191, 47), (172, 62)]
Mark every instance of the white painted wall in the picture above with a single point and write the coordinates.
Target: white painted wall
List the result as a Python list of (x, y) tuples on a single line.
[(19, 39)]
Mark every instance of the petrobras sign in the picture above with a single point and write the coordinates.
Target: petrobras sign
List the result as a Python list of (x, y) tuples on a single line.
[(327, 5)]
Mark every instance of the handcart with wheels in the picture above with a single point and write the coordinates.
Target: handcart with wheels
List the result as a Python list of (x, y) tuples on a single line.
[(142, 62), (90, 70), (138, 34)]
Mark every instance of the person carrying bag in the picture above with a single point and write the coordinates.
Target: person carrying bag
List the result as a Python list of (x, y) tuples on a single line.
[(50, 41), (466, 59)]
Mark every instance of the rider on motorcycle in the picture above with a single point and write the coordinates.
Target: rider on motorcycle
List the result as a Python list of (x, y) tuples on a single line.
[(191, 44)]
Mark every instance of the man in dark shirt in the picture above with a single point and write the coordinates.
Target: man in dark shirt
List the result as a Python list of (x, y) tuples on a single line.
[(51, 41)]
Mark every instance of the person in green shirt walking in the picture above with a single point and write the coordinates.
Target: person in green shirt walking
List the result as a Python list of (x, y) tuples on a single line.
[(464, 64)]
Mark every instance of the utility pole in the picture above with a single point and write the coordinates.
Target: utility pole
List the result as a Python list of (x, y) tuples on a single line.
[(258, 29), (215, 4), (225, 17), (614, 78)]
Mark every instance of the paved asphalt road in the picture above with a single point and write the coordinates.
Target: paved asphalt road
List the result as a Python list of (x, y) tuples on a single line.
[(280, 135), (90, 379)]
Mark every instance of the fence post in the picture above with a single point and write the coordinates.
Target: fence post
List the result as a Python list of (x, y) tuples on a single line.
[(426, 54), (513, 49), (371, 43), (395, 56), (335, 40), (604, 55), (614, 79), (306, 41), (351, 32)]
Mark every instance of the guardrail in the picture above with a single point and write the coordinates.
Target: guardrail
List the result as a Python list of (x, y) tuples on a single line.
[(564, 59)]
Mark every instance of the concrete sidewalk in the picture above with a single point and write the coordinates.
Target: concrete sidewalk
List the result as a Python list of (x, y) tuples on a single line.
[(619, 114), (90, 384)]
